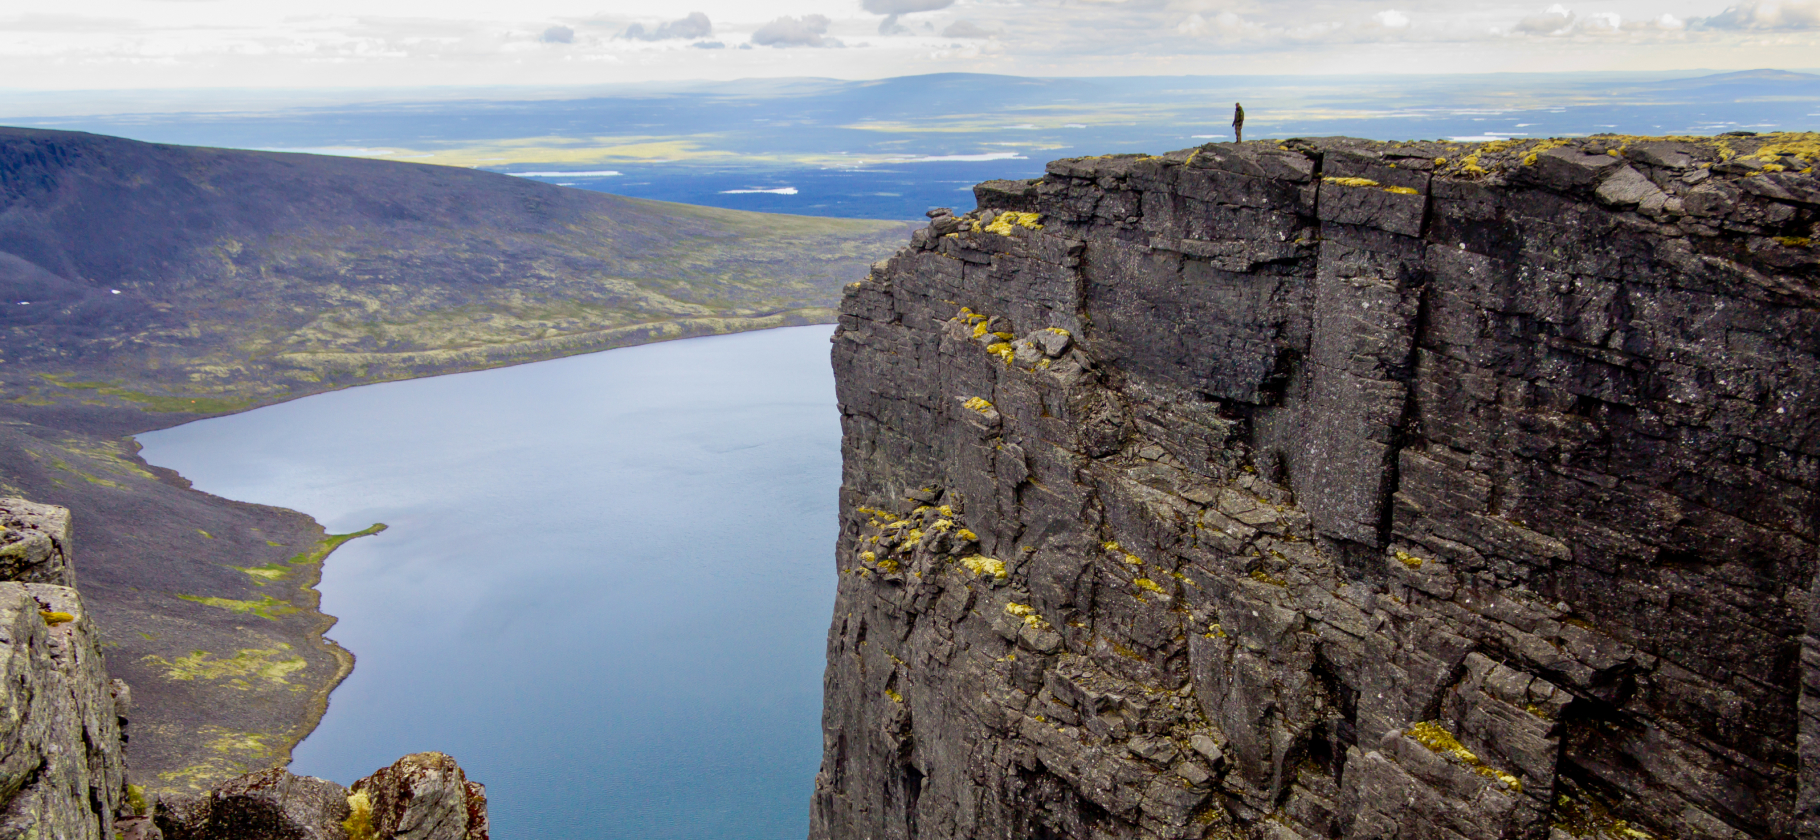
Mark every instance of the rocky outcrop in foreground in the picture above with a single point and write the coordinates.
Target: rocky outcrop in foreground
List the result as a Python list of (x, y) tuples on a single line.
[(62, 751), (63, 747), (1338, 489), (424, 796)]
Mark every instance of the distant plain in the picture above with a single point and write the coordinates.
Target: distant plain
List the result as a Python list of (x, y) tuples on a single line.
[(893, 148)]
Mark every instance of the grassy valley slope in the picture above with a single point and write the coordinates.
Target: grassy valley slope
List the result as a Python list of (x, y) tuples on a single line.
[(144, 285)]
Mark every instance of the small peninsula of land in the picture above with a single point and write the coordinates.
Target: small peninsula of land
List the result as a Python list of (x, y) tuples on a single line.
[(146, 285)]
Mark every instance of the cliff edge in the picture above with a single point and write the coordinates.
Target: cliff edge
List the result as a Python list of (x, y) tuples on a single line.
[(1335, 488)]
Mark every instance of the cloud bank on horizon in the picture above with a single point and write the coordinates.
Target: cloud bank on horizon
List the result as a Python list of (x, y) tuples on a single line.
[(111, 44)]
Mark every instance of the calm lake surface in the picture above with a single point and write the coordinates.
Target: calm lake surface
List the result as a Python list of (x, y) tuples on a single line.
[(606, 585)]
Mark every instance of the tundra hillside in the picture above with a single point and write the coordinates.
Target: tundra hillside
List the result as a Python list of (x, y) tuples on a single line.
[(146, 285)]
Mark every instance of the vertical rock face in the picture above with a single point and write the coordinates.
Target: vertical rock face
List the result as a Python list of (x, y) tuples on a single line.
[(1338, 489), (62, 761)]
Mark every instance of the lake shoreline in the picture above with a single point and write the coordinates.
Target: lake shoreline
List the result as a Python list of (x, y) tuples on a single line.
[(634, 544), (239, 742)]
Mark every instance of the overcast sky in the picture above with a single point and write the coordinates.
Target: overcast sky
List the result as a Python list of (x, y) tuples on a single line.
[(112, 44)]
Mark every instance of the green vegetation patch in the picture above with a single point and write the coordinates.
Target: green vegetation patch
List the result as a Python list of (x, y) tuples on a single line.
[(154, 402), (263, 575), (331, 542), (266, 607), (232, 753), (135, 799), (242, 670)]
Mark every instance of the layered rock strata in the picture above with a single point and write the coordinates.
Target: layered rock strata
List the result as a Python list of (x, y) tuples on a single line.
[(1338, 489)]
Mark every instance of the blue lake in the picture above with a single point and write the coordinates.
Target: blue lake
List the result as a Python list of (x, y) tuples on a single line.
[(606, 585)]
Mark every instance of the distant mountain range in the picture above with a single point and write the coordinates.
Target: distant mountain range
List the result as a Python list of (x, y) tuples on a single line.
[(1777, 80)]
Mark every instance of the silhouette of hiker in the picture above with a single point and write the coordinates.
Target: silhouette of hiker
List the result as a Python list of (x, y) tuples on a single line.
[(1238, 123)]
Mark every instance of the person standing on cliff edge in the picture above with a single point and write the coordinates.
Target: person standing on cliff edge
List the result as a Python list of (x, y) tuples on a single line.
[(1238, 123)]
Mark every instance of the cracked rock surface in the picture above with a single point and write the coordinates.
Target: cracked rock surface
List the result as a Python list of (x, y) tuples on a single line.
[(1334, 489), (62, 756)]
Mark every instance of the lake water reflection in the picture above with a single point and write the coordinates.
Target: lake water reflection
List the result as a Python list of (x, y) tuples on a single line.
[(606, 585)]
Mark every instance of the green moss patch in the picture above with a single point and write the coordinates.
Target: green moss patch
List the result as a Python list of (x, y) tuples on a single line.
[(266, 607), (268, 573), (154, 402), (331, 542), (242, 670)]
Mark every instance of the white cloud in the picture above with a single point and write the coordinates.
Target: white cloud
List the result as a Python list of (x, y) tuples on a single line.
[(368, 43), (893, 9), (1223, 26), (1603, 21), (904, 7), (967, 29), (1558, 20), (695, 25), (788, 31), (1771, 16)]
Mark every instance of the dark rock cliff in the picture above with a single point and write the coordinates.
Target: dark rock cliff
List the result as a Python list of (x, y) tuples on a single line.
[(1338, 489), (63, 736)]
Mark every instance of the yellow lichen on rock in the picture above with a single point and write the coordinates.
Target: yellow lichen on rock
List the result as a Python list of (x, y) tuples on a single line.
[(55, 618), (980, 564), (978, 404), (1005, 221), (359, 824), (1028, 613), (1350, 182), (1436, 738), (1802, 145), (1536, 151)]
